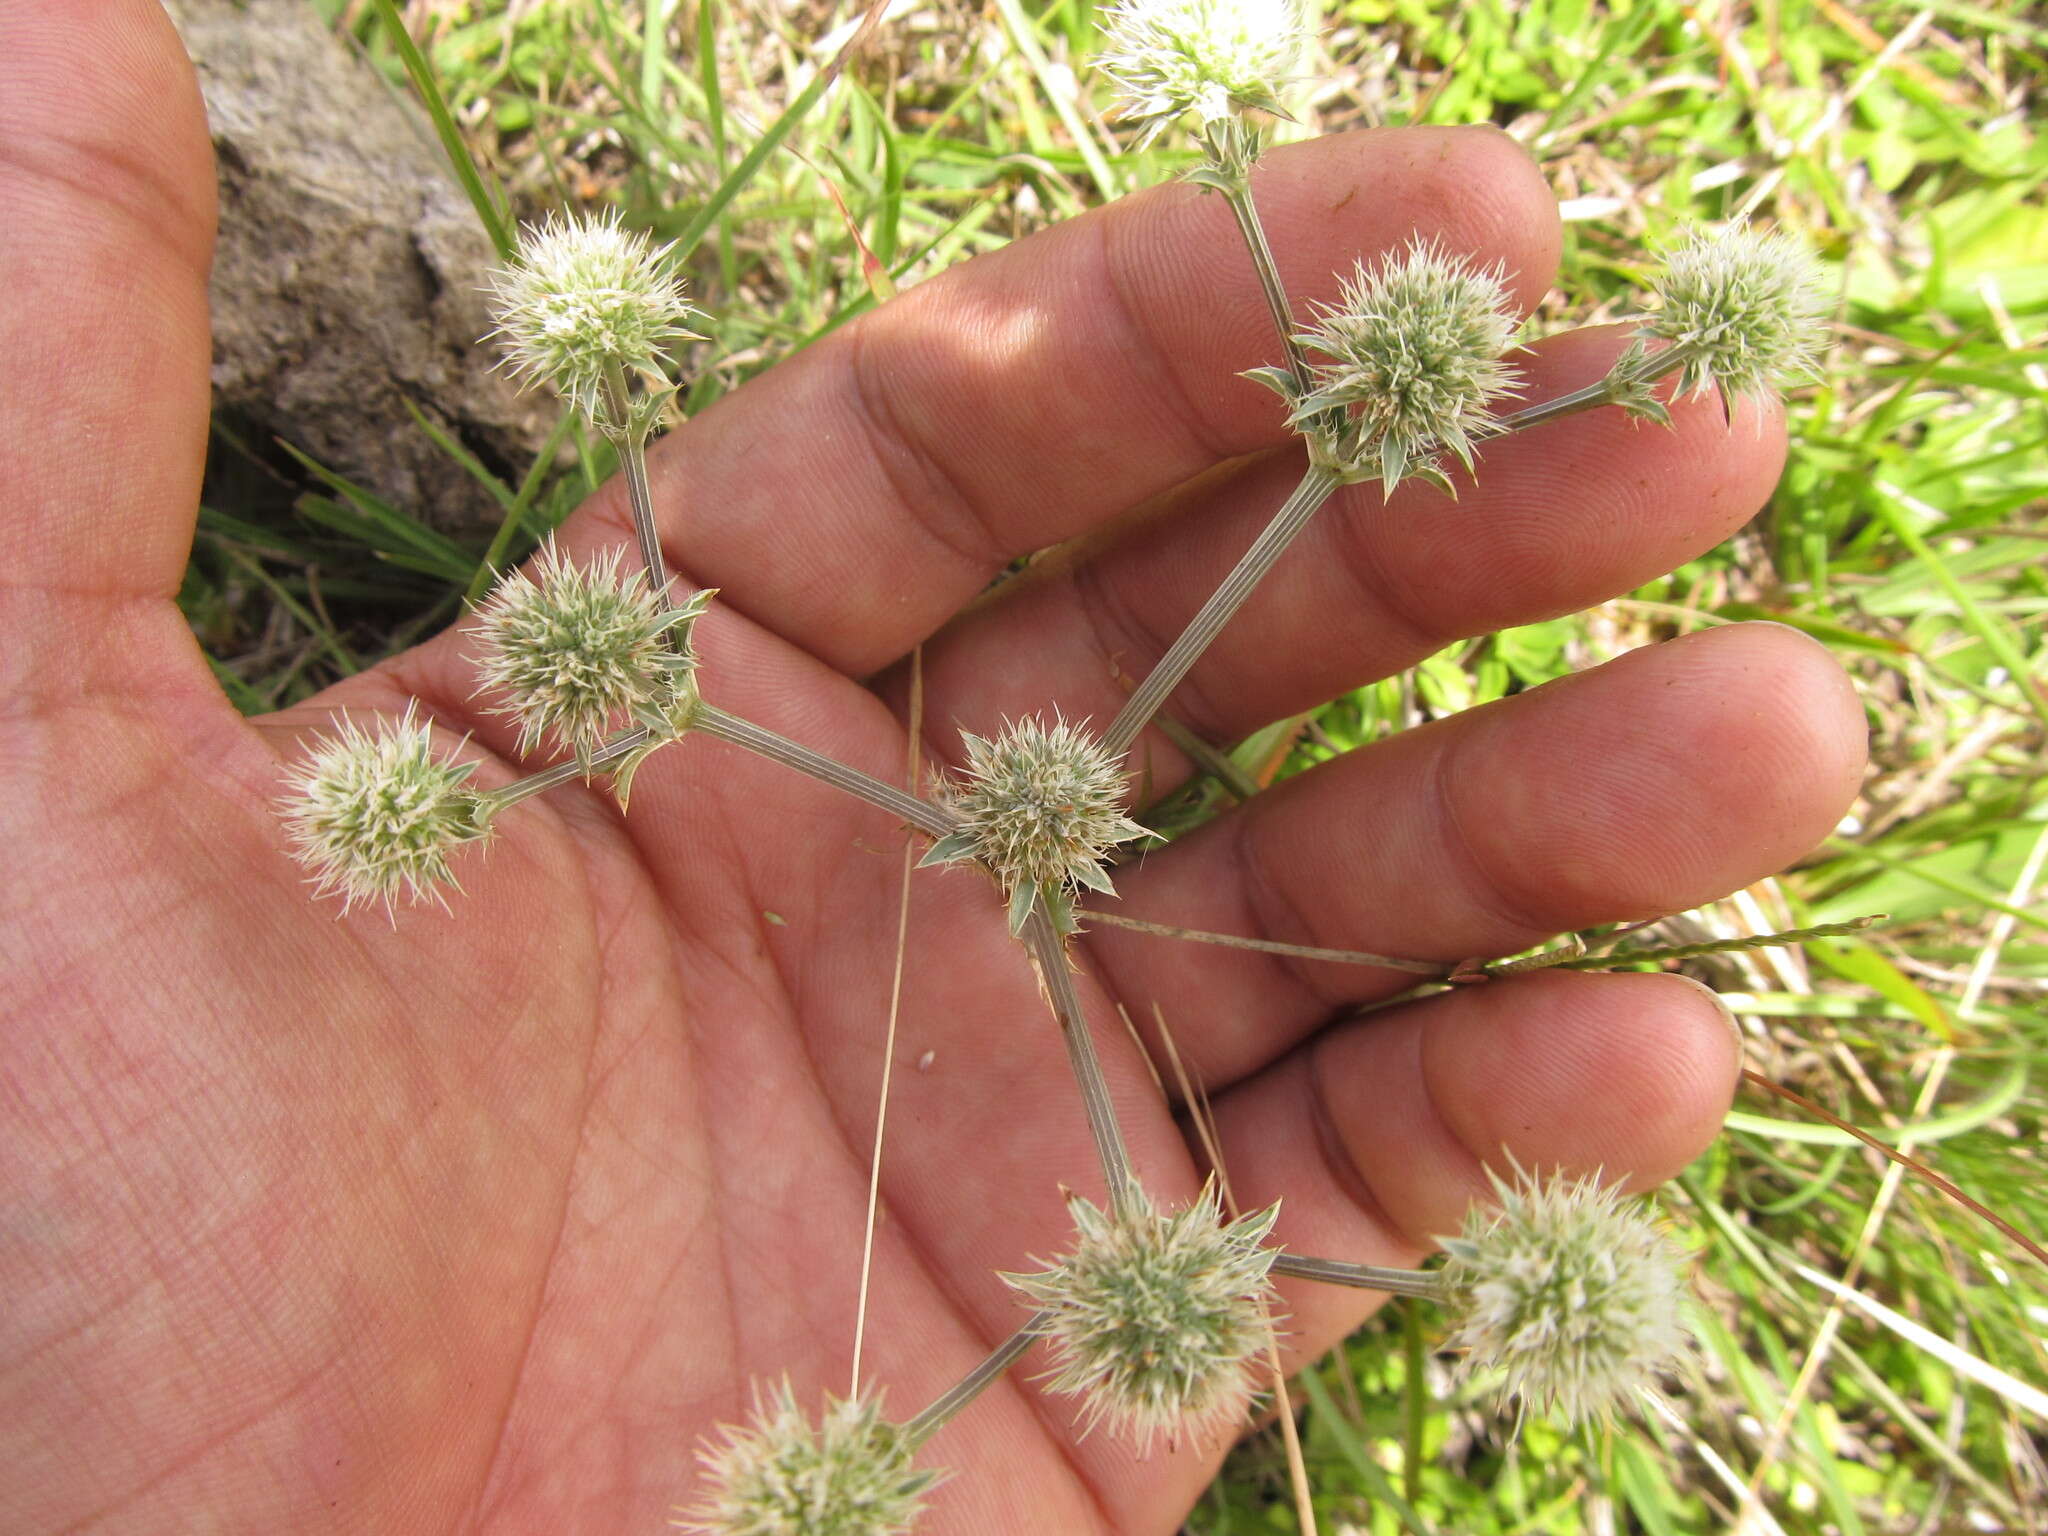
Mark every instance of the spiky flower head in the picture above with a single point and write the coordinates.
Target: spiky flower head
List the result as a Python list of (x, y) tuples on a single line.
[(1568, 1289), (778, 1476), (576, 648), (1157, 1318), (1213, 58), (1411, 366), (1041, 805), (586, 302), (375, 814), (1746, 307)]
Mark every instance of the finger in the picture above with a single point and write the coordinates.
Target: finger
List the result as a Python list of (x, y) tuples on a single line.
[(856, 496), (107, 179), (1376, 1136), (1558, 518), (1664, 779)]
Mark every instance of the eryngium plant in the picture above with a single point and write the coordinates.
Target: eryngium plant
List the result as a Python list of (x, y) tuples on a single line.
[(777, 1476), (584, 305), (1411, 366), (1157, 1319), (1567, 1289), (1747, 309), (374, 815), (575, 649), (1212, 58), (1041, 805)]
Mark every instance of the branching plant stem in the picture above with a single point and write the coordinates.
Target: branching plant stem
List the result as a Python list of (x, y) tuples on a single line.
[(1315, 488), (946, 1406), (1610, 390), (1362, 1277), (1049, 954), (631, 441), (1237, 192), (759, 740)]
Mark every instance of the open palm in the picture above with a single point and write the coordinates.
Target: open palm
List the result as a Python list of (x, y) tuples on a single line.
[(479, 1220)]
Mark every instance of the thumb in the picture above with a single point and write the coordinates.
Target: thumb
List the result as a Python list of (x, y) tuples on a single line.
[(106, 180)]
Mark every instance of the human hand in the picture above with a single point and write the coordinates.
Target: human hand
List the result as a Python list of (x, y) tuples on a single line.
[(479, 1220)]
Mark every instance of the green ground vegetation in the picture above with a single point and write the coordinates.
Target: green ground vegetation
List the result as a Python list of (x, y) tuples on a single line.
[(1904, 141)]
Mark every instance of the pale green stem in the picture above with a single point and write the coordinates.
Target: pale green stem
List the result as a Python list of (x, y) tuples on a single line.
[(1363, 1277), (1236, 188), (946, 1406), (1315, 488), (921, 814), (539, 783), (713, 721), (1050, 956), (1608, 391), (632, 446)]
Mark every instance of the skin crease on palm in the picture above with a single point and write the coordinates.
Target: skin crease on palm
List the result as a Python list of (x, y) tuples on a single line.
[(478, 1220)]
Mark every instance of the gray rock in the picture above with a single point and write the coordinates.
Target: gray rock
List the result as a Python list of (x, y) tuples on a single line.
[(349, 267)]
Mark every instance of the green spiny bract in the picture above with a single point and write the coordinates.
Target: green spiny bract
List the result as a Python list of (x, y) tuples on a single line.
[(1157, 1319), (374, 815), (575, 649), (777, 1476), (1413, 349), (1567, 1289), (1041, 805), (585, 304), (1213, 58), (1745, 307)]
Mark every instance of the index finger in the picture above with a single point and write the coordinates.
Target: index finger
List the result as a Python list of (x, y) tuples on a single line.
[(855, 497)]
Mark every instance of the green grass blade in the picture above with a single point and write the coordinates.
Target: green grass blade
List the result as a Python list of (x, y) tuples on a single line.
[(1891, 504), (466, 172)]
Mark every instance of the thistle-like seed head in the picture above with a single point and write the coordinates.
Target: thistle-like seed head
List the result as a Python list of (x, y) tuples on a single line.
[(1041, 805), (1209, 57), (1747, 308), (777, 1476), (582, 297), (574, 648), (373, 814), (1568, 1289), (1413, 349), (1157, 1318)]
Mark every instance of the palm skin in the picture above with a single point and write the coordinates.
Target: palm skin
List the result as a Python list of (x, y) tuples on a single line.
[(478, 1220)]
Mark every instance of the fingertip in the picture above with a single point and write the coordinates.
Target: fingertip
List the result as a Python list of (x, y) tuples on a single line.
[(1627, 1073), (1666, 778)]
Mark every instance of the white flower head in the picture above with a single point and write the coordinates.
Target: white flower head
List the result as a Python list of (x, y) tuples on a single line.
[(779, 1476), (583, 298), (375, 814), (1209, 57), (1158, 1319), (1412, 365), (1747, 308), (1041, 805), (576, 648), (1568, 1289)]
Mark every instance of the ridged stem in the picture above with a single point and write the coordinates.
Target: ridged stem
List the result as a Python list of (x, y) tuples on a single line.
[(1362, 1277), (761, 741), (1315, 488), (1236, 187), (538, 783), (1049, 954), (631, 442), (949, 1403), (1609, 391)]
